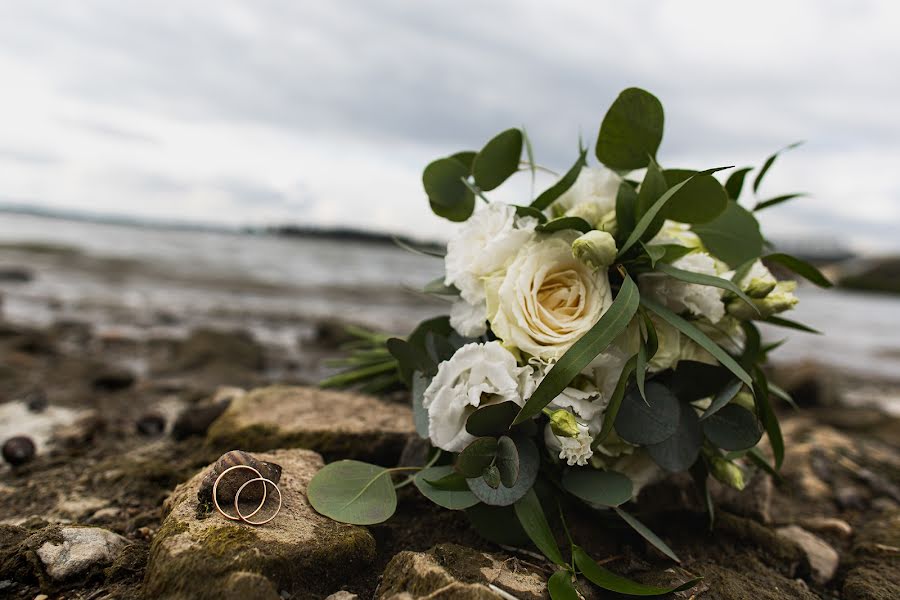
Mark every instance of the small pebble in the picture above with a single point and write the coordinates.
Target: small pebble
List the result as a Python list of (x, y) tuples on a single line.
[(18, 450), (151, 424), (36, 401)]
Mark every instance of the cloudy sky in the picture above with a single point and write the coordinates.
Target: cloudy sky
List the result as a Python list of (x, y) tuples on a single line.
[(324, 112)]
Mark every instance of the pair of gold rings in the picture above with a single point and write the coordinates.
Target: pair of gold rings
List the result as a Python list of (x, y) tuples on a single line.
[(237, 496)]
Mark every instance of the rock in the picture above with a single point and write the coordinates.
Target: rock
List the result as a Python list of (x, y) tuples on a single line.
[(15, 275), (809, 383), (230, 357), (150, 424), (36, 400), (195, 420), (342, 595), (823, 559), (754, 501), (452, 571), (18, 450), (80, 433), (80, 549), (200, 555), (874, 570), (828, 526), (113, 379), (336, 424)]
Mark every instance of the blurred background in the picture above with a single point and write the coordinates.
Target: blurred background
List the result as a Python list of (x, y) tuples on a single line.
[(171, 169)]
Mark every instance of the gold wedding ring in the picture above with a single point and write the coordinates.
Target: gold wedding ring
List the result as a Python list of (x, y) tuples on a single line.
[(237, 496), (240, 516)]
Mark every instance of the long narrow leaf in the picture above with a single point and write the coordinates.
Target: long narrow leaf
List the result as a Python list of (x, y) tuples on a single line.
[(648, 535), (560, 187), (531, 517), (768, 165), (782, 322), (698, 336), (800, 267), (608, 580), (612, 410), (767, 416), (723, 397), (423, 250), (701, 279), (776, 201), (596, 340)]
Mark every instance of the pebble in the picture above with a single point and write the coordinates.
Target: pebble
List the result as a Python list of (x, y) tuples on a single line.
[(828, 525), (151, 424), (195, 420), (823, 559), (36, 401), (18, 450), (81, 549)]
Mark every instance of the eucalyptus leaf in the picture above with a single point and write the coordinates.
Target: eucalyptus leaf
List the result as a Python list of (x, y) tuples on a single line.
[(353, 492), (492, 420), (531, 517), (497, 524), (613, 322), (626, 210), (559, 188), (732, 428), (498, 159), (768, 165), (453, 499), (491, 477), (698, 336), (606, 579), (409, 359), (560, 586), (652, 187), (800, 267), (723, 397), (449, 196), (642, 423), (507, 461), (680, 450), (733, 236), (735, 183), (631, 131), (529, 465), (701, 200), (466, 157), (563, 223), (597, 488), (647, 534), (476, 457)]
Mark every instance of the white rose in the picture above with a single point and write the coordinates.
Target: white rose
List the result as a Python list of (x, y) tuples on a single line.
[(679, 296), (547, 299), (574, 450), (477, 374), (593, 194), (484, 244)]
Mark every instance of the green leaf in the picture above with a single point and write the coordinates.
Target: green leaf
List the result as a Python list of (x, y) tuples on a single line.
[(694, 380), (733, 236), (498, 159), (732, 428), (608, 580), (700, 474), (560, 586), (652, 187), (530, 211), (613, 322), (767, 415), (476, 457), (702, 279), (466, 157), (448, 479), (768, 165), (723, 397), (409, 359), (507, 461), (449, 196), (775, 201), (698, 336), (597, 488), (650, 422), (626, 209), (353, 492), (439, 288), (491, 477), (497, 524), (421, 249), (529, 154), (655, 252), (631, 131), (800, 267), (735, 183), (647, 534), (563, 223), (492, 420), (559, 188), (782, 322), (531, 517), (640, 368), (420, 415), (680, 450), (615, 401), (453, 499), (702, 199), (529, 464)]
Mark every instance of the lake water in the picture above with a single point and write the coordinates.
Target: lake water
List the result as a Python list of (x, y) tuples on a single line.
[(146, 279)]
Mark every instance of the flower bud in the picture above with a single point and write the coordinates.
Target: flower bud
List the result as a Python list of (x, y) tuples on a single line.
[(727, 472), (744, 399), (587, 211), (759, 287), (563, 423), (780, 299), (596, 249)]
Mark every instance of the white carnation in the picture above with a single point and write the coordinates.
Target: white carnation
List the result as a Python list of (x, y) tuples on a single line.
[(547, 298), (477, 374), (484, 244), (587, 403), (593, 193), (679, 296), (680, 234), (574, 450), (469, 320)]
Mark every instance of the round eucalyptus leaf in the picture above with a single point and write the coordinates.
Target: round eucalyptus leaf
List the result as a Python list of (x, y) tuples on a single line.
[(507, 461), (493, 419), (449, 196), (650, 422), (529, 464), (733, 236), (631, 131), (701, 200), (498, 524), (476, 457), (491, 476), (732, 428), (694, 380), (354, 492), (598, 488), (680, 450), (498, 159), (454, 499)]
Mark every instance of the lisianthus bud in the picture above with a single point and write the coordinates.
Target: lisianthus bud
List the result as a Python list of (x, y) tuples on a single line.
[(589, 211), (759, 288), (563, 423), (596, 249), (745, 399), (727, 472), (780, 299)]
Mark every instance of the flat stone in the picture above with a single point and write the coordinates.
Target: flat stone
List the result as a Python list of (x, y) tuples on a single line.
[(79, 549), (452, 571), (200, 555), (754, 501), (828, 526), (823, 559), (336, 424)]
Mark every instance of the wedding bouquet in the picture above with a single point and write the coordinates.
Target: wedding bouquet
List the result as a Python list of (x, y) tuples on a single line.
[(600, 336)]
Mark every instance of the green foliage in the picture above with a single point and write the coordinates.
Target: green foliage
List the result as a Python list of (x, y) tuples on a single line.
[(531, 517), (559, 188), (647, 422), (420, 383), (507, 462), (597, 488), (615, 401), (680, 450), (800, 267), (497, 524), (353, 492), (733, 236), (723, 397), (498, 159), (476, 457), (529, 465), (732, 428), (444, 185), (763, 204), (560, 586), (647, 534), (787, 323), (563, 223), (768, 165), (694, 380), (631, 131), (702, 279), (626, 211), (701, 200), (453, 497), (735, 183), (608, 580), (492, 420)]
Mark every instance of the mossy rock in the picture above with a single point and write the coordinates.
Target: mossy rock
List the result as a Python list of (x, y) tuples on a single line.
[(198, 555), (335, 424)]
